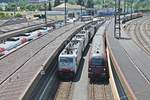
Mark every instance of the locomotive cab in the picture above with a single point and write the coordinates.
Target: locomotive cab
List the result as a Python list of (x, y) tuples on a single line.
[(97, 67), (69, 59), (68, 66)]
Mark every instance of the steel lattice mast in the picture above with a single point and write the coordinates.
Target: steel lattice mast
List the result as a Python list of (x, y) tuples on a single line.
[(117, 27)]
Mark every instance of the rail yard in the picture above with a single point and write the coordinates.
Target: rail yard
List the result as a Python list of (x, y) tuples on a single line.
[(87, 58)]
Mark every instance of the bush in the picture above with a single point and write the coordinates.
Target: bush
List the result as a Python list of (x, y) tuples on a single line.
[(18, 15), (2, 15)]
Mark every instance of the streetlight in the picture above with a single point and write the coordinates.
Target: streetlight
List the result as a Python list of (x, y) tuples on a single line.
[(81, 7), (131, 8), (45, 13), (65, 13), (124, 8), (104, 3), (82, 3), (15, 7)]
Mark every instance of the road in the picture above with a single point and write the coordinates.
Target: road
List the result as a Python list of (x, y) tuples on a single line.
[(139, 32)]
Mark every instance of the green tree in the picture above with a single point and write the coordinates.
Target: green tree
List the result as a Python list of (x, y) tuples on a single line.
[(80, 2), (10, 7), (98, 2), (137, 6), (31, 7), (72, 1), (90, 4), (49, 6), (2, 15), (56, 3), (1, 9), (109, 4), (22, 8), (23, 2)]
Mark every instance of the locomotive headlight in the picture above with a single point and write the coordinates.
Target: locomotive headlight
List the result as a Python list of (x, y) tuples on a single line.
[(72, 69), (104, 69), (89, 69)]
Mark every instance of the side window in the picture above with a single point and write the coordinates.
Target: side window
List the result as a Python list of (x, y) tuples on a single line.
[(84, 42), (76, 61)]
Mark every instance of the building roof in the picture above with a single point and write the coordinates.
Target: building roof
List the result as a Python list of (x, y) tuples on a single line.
[(68, 6)]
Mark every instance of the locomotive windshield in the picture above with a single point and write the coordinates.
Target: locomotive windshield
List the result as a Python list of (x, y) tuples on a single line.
[(97, 62), (66, 61)]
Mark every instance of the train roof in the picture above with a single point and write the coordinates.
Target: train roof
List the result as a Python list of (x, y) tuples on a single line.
[(71, 48), (78, 37), (87, 27), (98, 46), (82, 32), (101, 30)]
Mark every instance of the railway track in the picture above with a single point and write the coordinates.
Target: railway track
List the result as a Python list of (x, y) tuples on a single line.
[(140, 34), (80, 88), (97, 92), (64, 91), (25, 67)]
